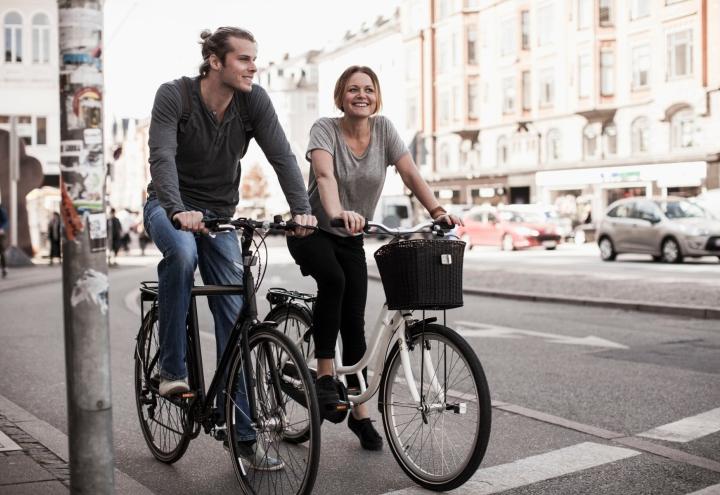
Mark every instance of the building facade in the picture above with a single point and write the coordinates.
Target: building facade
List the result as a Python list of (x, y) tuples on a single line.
[(565, 102)]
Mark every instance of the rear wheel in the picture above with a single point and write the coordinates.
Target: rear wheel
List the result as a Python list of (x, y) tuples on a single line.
[(439, 442), (286, 405), (163, 421), (607, 250), (671, 252), (295, 322)]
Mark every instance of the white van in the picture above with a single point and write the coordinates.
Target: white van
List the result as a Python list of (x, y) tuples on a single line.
[(394, 211)]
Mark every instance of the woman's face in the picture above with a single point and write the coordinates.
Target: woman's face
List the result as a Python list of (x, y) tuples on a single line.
[(360, 98)]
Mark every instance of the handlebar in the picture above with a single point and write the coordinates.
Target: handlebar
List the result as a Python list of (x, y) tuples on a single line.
[(224, 224), (438, 228)]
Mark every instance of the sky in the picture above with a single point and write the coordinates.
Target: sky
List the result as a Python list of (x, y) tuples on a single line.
[(148, 42)]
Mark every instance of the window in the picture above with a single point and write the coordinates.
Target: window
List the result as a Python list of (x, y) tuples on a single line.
[(412, 63), (590, 141), (444, 108), (679, 54), (640, 135), (40, 39), (471, 4), (584, 13), (605, 12), (526, 90), (525, 29), (547, 87), (471, 33), (508, 91), (13, 37), (620, 211), (456, 107), (454, 48), (683, 129), (412, 111), (41, 130), (545, 24), (553, 145), (507, 37), (639, 8), (641, 66), (646, 210), (610, 139), (473, 107), (442, 55), (502, 150), (607, 73), (584, 76), (443, 9)]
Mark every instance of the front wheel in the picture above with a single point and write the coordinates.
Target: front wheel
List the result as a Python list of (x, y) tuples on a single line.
[(507, 244), (286, 405), (163, 421), (439, 442), (607, 250), (671, 252)]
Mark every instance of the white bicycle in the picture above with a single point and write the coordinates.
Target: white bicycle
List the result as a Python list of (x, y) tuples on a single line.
[(434, 398)]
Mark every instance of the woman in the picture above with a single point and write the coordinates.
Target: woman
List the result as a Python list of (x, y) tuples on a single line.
[(349, 156)]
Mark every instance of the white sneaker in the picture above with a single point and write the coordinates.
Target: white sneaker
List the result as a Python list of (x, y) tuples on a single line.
[(257, 457), (173, 387)]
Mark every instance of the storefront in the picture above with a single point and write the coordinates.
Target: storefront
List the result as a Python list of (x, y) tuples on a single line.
[(599, 187), (474, 191)]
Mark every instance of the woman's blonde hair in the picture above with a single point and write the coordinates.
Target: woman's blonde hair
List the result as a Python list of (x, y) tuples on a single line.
[(345, 77)]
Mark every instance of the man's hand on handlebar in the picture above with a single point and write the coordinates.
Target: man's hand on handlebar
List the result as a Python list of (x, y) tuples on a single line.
[(190, 221), (305, 219)]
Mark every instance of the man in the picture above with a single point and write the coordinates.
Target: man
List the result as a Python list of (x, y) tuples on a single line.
[(195, 167)]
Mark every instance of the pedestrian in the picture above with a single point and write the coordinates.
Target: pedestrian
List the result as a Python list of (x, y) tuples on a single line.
[(114, 228), (4, 222), (199, 130), (349, 157), (143, 237), (54, 236)]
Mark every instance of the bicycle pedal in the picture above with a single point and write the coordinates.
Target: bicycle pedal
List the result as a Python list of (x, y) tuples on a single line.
[(340, 406)]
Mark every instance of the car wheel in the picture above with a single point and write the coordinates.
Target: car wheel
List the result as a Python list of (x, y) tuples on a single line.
[(550, 248), (466, 239), (607, 250), (507, 243), (671, 252)]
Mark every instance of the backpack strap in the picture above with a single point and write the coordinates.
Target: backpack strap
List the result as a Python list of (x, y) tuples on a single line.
[(186, 92), (241, 104)]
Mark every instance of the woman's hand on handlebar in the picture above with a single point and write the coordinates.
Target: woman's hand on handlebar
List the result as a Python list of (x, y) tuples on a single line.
[(449, 219), (190, 221), (353, 222), (304, 219)]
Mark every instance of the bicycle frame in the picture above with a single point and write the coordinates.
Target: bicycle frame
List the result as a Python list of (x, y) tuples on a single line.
[(390, 326)]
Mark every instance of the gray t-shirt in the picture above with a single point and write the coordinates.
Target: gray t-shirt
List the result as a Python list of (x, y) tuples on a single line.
[(360, 179)]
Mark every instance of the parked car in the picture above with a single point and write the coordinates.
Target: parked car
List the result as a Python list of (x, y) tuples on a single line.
[(510, 229), (710, 200), (668, 229)]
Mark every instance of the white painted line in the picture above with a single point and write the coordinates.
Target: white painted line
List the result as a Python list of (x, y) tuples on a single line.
[(537, 468), (687, 429), (56, 441), (6, 443), (710, 490)]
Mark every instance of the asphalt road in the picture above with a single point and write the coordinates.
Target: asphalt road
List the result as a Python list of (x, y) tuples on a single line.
[(561, 377)]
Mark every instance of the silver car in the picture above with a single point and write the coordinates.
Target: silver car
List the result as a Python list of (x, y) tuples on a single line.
[(668, 229)]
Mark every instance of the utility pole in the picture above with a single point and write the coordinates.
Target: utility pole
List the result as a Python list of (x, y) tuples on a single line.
[(14, 256), (85, 280)]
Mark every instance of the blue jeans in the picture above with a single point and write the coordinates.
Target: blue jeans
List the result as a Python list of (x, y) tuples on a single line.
[(219, 260)]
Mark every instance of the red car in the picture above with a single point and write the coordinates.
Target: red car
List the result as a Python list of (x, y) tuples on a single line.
[(507, 228)]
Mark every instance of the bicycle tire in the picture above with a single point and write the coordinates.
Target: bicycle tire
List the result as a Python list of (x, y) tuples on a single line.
[(447, 442), (278, 420), (294, 321), (163, 421)]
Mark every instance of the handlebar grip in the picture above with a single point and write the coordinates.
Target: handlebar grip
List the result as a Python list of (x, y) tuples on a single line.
[(444, 225)]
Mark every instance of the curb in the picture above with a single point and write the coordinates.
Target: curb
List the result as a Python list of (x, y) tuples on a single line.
[(668, 309)]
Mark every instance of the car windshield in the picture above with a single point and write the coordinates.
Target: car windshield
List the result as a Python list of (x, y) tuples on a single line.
[(681, 209), (523, 217)]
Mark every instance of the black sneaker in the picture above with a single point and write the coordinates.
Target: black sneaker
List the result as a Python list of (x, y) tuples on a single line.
[(331, 407), (370, 439)]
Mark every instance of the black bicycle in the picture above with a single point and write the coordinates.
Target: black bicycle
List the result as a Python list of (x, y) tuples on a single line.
[(268, 384)]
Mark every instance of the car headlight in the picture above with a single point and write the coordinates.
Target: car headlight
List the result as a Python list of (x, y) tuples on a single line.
[(527, 232), (697, 231)]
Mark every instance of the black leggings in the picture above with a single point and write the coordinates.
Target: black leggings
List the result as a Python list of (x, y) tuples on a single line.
[(338, 266)]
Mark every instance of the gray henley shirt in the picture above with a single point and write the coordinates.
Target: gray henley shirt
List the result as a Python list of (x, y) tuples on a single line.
[(199, 169)]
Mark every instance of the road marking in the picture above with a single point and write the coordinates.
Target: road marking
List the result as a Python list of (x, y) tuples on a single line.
[(687, 429), (710, 490), (537, 468), (471, 329), (6, 443)]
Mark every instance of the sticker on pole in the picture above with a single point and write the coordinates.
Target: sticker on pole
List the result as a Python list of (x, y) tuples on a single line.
[(97, 224)]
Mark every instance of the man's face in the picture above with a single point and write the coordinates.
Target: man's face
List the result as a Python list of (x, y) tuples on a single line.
[(239, 68)]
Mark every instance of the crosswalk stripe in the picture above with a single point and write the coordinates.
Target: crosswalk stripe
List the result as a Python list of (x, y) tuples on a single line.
[(537, 468), (710, 490), (687, 429)]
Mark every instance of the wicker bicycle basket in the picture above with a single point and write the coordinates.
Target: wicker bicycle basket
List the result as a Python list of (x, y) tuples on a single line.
[(422, 273)]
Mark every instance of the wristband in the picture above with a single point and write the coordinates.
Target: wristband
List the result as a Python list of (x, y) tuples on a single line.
[(438, 209)]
